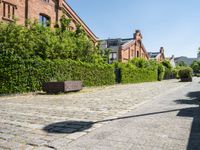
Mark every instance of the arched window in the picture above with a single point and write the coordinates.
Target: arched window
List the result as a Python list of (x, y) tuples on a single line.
[(138, 54), (44, 20)]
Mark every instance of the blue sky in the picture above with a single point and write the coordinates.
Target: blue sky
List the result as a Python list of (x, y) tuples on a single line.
[(173, 24)]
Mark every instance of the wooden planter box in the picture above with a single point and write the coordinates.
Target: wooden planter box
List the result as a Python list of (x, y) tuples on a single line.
[(186, 79), (62, 87)]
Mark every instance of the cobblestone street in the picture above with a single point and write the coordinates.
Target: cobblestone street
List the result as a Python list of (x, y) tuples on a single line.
[(39, 121)]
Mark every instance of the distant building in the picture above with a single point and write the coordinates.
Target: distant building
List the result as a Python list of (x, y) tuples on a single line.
[(159, 56), (198, 55), (125, 49), (172, 61)]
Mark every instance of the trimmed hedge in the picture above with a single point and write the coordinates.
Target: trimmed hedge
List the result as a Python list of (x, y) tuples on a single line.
[(133, 74), (161, 72), (19, 76), (185, 73)]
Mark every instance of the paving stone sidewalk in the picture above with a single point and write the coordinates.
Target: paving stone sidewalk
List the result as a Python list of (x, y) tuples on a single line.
[(169, 122), (38, 121)]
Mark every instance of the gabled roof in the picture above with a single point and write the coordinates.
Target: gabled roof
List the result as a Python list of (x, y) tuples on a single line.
[(78, 20), (131, 43), (153, 54)]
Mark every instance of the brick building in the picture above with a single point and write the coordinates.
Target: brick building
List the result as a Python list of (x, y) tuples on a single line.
[(43, 11), (125, 49), (158, 56)]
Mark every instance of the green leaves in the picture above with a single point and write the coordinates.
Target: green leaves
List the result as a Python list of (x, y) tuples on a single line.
[(43, 42), (196, 66), (185, 73), (28, 75), (138, 70), (34, 55)]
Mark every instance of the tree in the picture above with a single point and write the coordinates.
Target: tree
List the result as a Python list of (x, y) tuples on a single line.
[(182, 64), (196, 66)]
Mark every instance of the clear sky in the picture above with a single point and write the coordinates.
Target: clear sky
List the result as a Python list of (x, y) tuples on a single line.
[(173, 24)]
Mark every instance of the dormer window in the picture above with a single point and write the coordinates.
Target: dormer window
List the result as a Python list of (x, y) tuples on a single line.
[(44, 20), (8, 11)]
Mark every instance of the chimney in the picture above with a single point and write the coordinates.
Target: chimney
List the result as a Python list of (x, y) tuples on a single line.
[(137, 35), (60, 3), (162, 50)]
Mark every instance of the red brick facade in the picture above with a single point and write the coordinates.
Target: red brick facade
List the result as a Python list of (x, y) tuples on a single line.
[(133, 48), (33, 9), (158, 56)]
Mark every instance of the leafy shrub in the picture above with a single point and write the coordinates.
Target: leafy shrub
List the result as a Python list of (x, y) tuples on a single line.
[(182, 64), (161, 72), (168, 70), (167, 64), (197, 75), (140, 62), (175, 73), (130, 73), (185, 73), (37, 41), (29, 75), (37, 54), (196, 66)]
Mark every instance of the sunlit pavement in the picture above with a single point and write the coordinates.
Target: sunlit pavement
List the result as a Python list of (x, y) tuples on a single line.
[(133, 116)]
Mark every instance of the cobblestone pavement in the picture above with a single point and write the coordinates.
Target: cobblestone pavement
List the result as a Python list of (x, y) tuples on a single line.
[(39, 121), (169, 122)]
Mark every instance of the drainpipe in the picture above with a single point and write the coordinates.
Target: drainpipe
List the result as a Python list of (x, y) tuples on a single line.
[(26, 12)]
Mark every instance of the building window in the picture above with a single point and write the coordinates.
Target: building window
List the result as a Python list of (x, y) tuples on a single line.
[(113, 43), (46, 1), (113, 57), (8, 11), (44, 20), (138, 54)]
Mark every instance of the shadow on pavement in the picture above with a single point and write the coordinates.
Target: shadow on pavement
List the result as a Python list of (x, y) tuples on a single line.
[(69, 127), (194, 138), (78, 126), (194, 112), (195, 99)]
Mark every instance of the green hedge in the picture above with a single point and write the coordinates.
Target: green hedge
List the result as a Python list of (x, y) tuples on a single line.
[(161, 72), (19, 76), (185, 73), (133, 74)]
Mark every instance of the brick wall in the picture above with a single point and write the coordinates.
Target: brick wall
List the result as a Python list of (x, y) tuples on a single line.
[(131, 51), (32, 9), (8, 9), (37, 7)]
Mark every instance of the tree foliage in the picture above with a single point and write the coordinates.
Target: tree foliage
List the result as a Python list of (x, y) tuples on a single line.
[(196, 66), (29, 75), (185, 73), (37, 41), (138, 70)]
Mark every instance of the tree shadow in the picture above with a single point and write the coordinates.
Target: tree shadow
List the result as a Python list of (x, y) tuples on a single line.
[(195, 99), (194, 138), (68, 127), (194, 112)]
